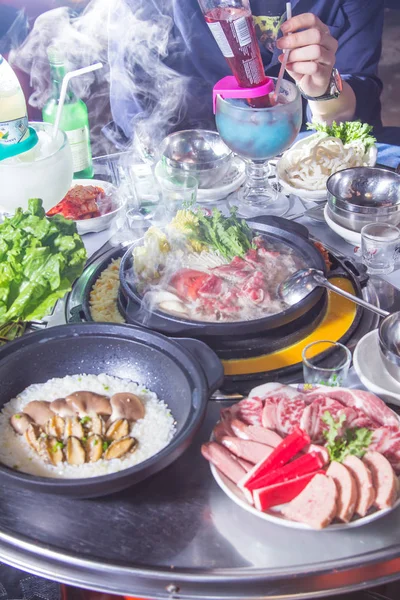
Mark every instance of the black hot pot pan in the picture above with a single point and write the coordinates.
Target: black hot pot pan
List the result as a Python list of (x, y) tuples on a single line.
[(183, 374), (275, 229)]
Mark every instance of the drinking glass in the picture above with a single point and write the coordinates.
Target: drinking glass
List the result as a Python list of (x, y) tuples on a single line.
[(177, 191), (257, 135), (379, 242), (326, 363), (43, 172)]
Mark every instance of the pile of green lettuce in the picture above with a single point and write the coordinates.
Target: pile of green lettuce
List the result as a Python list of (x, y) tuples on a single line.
[(349, 132), (40, 258)]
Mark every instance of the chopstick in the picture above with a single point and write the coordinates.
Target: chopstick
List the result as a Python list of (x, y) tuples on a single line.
[(285, 60)]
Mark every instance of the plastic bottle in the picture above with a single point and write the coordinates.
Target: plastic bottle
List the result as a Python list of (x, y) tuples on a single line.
[(74, 119), (13, 114)]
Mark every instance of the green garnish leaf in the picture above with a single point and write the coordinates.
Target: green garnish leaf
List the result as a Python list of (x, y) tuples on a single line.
[(341, 441), (347, 132), (18, 416), (105, 445), (85, 420), (58, 446), (84, 439), (95, 442), (106, 387)]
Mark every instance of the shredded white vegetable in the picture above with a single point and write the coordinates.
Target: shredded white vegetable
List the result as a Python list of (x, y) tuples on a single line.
[(309, 167)]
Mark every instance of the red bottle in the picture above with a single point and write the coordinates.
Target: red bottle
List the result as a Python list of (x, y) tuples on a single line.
[(231, 24)]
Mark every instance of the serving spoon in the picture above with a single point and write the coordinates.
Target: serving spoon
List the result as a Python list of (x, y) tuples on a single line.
[(303, 282)]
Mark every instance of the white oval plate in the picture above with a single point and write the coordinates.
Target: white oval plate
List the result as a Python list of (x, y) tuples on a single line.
[(310, 195), (98, 224), (274, 516), (371, 369), (350, 236)]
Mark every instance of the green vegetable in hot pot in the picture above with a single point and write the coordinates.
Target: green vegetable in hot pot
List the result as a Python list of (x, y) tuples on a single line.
[(40, 258)]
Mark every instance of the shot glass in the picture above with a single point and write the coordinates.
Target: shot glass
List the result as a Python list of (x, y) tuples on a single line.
[(326, 363), (177, 191), (379, 243)]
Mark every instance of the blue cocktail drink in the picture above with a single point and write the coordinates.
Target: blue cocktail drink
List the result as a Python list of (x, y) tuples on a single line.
[(257, 135)]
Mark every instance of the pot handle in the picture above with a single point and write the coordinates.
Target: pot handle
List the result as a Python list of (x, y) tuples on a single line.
[(209, 361), (76, 314), (279, 223)]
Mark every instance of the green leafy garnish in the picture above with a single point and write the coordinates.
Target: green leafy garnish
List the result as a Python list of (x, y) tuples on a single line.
[(11, 330), (105, 445), (353, 441), (347, 132), (85, 420), (84, 439), (17, 416), (95, 442), (106, 387), (228, 235), (40, 258), (58, 446)]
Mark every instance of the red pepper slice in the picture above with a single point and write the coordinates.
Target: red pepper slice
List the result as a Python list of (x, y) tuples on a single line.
[(281, 493), (308, 463), (285, 451)]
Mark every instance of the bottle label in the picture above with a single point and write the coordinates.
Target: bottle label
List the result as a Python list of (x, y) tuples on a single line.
[(12, 132), (221, 39), (242, 31), (79, 142)]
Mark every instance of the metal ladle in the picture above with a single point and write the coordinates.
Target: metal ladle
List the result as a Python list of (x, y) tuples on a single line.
[(303, 282)]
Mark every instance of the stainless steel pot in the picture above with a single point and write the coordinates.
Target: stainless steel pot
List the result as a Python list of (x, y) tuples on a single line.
[(389, 344), (363, 195), (196, 152)]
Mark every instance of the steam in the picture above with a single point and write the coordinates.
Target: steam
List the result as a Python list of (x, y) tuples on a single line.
[(131, 37)]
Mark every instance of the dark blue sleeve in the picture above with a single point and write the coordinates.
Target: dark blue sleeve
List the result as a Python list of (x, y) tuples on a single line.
[(360, 41)]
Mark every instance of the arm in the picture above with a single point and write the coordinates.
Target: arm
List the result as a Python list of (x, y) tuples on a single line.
[(356, 53)]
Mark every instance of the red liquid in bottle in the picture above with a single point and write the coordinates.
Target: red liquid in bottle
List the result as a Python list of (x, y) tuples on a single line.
[(233, 30)]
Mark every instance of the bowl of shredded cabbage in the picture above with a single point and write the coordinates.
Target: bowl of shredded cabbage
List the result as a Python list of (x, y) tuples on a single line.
[(305, 168)]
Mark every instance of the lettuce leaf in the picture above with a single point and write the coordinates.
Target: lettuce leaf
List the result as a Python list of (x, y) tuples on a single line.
[(40, 258), (347, 132)]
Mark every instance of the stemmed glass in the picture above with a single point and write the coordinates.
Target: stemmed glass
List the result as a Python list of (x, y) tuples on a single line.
[(257, 135)]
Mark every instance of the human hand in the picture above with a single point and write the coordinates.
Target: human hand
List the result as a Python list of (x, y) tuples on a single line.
[(312, 52)]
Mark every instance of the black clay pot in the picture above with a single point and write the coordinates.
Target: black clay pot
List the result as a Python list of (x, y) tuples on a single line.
[(182, 373)]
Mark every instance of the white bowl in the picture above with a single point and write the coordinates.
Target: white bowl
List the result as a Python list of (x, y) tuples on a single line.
[(350, 236), (97, 224), (309, 195), (371, 370)]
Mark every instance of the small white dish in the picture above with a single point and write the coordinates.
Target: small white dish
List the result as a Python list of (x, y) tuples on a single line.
[(274, 515), (309, 195), (350, 236), (98, 224), (230, 183), (371, 370)]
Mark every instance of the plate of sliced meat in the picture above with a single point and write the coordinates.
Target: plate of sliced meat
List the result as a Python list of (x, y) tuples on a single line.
[(308, 457)]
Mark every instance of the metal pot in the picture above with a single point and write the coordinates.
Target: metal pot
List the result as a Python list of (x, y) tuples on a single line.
[(363, 195), (274, 229), (183, 374), (389, 344), (196, 152)]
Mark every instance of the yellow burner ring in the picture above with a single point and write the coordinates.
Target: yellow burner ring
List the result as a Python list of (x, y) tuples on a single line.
[(339, 317)]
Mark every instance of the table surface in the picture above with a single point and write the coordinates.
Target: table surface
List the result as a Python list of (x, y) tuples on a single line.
[(178, 535)]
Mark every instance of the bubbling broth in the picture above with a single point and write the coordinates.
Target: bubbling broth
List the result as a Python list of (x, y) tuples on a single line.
[(204, 286)]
